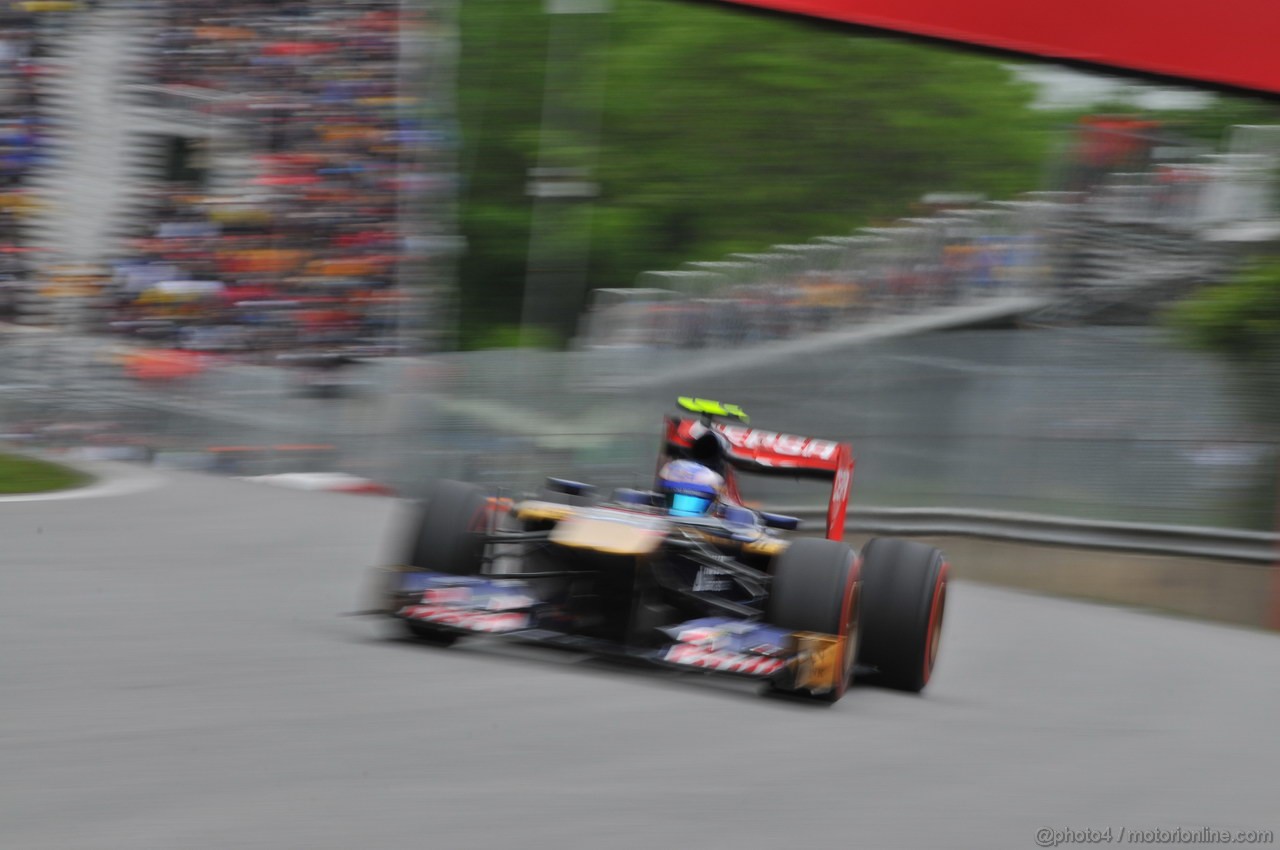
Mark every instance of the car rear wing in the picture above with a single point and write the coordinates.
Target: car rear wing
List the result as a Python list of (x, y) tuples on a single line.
[(759, 452)]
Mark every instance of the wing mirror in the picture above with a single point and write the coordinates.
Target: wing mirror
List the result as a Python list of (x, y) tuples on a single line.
[(780, 521), (644, 498), (572, 488)]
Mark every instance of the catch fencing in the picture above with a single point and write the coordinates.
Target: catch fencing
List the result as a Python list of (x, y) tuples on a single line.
[(1107, 424)]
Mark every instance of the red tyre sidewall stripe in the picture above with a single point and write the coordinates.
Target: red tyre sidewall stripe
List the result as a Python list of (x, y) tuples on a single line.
[(850, 591), (935, 612)]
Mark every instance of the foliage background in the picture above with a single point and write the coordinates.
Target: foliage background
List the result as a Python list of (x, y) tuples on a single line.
[(711, 130)]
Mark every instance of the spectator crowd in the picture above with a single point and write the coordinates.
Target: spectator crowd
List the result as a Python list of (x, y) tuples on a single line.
[(284, 233), (25, 33), (736, 303)]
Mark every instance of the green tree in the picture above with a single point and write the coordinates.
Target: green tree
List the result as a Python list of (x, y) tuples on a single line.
[(722, 131), (729, 132), (499, 105), (1240, 318)]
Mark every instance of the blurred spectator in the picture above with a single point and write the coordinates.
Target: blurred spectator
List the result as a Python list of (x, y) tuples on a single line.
[(304, 251), (925, 264), (24, 38)]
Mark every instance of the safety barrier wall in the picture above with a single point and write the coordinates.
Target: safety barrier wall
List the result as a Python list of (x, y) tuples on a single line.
[(1215, 574), (1225, 591), (1216, 544)]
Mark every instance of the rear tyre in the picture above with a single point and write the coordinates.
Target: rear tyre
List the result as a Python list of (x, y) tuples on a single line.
[(815, 589), (904, 595), (447, 537)]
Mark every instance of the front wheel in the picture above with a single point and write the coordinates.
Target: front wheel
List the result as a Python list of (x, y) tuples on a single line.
[(447, 537), (904, 595), (815, 589), (427, 633)]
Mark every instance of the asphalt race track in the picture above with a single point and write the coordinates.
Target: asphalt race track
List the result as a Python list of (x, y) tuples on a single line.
[(176, 675)]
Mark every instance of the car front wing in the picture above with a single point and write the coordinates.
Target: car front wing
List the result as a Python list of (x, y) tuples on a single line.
[(521, 610)]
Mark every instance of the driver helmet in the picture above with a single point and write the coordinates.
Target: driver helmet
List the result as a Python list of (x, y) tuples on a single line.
[(689, 488)]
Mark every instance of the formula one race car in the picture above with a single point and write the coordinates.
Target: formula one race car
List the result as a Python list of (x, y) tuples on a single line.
[(683, 575)]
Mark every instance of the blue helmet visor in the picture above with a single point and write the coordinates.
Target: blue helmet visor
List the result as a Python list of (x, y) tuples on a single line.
[(684, 504)]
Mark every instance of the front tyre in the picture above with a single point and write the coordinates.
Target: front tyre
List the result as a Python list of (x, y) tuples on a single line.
[(904, 596), (427, 633), (815, 589), (447, 536), (448, 533)]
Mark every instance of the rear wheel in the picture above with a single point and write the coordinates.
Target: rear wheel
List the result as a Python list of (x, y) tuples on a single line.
[(815, 589), (904, 594), (447, 537)]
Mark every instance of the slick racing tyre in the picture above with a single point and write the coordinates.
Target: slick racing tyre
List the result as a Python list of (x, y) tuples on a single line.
[(446, 537), (904, 595), (815, 588)]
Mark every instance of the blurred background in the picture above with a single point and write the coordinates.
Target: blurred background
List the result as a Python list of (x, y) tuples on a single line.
[(397, 240), (355, 245)]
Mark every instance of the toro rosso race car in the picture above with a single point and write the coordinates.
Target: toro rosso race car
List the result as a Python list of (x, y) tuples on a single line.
[(683, 575)]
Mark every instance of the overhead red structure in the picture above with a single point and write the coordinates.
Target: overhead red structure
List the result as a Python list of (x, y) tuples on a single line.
[(1226, 42)]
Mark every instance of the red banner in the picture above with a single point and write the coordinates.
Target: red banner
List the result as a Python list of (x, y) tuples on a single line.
[(1229, 42)]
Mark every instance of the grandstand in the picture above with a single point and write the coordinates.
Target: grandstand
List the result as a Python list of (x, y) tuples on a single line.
[(280, 150)]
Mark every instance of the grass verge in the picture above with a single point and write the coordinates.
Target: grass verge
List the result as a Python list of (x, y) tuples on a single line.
[(27, 475)]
